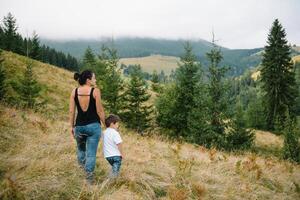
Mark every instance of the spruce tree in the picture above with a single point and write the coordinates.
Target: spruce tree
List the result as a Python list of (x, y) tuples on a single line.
[(187, 78), (2, 39), (112, 82), (155, 81), (278, 77), (89, 59), (34, 52), (136, 112), (2, 78), (10, 33), (29, 89), (177, 102), (217, 103), (291, 148), (239, 138)]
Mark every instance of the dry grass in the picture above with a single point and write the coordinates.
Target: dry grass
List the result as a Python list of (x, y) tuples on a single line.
[(38, 161), (154, 62)]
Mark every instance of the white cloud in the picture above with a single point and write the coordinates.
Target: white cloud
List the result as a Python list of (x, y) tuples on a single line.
[(237, 24)]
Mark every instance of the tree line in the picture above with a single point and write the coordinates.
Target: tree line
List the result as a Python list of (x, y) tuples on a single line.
[(11, 40)]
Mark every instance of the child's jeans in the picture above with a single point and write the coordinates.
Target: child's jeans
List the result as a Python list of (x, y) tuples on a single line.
[(87, 138), (115, 162)]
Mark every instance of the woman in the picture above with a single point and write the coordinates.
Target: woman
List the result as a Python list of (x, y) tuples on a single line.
[(87, 128)]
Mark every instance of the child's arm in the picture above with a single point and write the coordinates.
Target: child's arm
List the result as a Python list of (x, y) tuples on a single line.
[(120, 149)]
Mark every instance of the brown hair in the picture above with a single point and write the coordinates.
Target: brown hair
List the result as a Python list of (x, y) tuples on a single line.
[(112, 119)]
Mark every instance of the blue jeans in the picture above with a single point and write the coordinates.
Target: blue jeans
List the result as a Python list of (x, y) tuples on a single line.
[(115, 162), (87, 138)]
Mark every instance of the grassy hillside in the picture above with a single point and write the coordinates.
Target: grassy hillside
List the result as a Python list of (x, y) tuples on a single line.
[(38, 159), (154, 62)]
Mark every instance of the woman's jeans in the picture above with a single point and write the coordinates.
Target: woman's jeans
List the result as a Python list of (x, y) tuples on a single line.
[(87, 138)]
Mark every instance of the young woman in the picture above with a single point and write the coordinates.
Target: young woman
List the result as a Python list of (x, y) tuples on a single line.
[(87, 127)]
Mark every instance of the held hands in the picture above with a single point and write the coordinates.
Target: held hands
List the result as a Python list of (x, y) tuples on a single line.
[(72, 132)]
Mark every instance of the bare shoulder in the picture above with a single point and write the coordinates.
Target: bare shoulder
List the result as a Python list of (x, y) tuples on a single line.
[(73, 92), (96, 92)]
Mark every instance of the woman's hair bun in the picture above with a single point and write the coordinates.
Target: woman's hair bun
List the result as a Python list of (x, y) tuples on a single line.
[(76, 76)]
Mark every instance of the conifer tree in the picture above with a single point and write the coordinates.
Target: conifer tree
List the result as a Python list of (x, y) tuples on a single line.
[(29, 88), (239, 138), (89, 59), (278, 77), (10, 33), (155, 81), (136, 112), (175, 105), (1, 37), (291, 148), (34, 52), (217, 104), (112, 82), (187, 78)]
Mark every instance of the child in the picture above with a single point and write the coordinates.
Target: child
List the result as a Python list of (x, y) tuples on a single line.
[(112, 144)]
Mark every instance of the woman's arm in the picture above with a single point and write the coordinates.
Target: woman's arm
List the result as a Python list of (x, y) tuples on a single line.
[(99, 106), (72, 111)]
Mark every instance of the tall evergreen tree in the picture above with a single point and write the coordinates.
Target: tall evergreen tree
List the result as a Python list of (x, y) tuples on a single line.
[(112, 82), (1, 37), (35, 47), (29, 88), (89, 59), (217, 104), (136, 112), (179, 107), (10, 33), (278, 77)]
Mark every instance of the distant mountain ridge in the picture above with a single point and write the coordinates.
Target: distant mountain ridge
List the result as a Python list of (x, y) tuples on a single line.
[(237, 59)]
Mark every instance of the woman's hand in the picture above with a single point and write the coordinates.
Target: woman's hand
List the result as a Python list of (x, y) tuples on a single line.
[(72, 132)]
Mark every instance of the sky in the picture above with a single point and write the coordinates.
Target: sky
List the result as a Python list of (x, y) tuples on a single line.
[(235, 23)]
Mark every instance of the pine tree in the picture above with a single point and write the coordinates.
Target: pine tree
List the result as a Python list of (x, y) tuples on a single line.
[(2, 78), (10, 33), (155, 81), (278, 77), (136, 113), (239, 138), (291, 148), (112, 82), (29, 88), (35, 47), (2, 39), (217, 104), (198, 127), (187, 78), (89, 59), (177, 101)]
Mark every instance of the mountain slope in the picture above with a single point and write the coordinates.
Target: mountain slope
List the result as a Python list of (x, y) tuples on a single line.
[(38, 159)]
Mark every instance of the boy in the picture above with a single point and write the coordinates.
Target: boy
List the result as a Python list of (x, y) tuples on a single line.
[(112, 144)]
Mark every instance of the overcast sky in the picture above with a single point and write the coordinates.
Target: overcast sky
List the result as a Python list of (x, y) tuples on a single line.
[(236, 23)]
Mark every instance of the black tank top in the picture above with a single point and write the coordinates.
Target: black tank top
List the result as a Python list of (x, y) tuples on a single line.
[(89, 116)]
